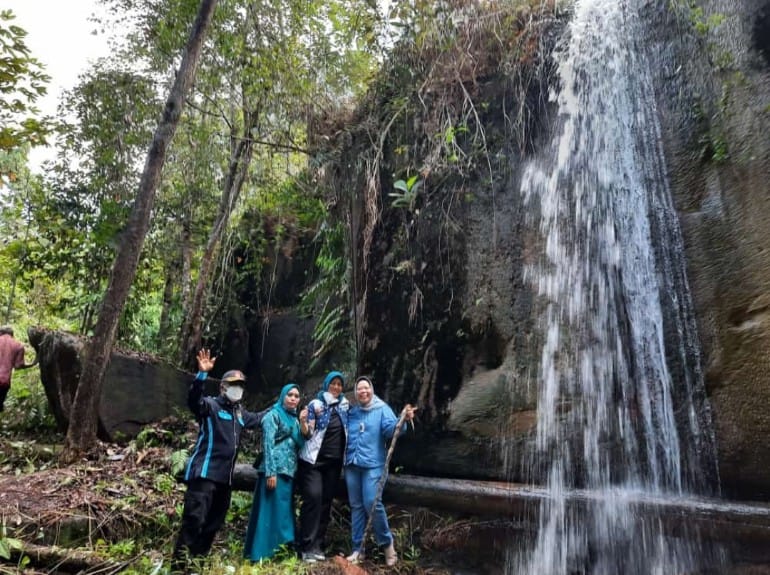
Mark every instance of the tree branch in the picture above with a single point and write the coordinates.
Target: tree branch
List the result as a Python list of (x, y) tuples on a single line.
[(278, 146)]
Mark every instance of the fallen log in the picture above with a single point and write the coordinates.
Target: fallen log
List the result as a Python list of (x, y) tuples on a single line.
[(64, 560), (713, 518)]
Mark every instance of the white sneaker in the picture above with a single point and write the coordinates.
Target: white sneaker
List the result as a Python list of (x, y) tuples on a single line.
[(390, 555), (355, 557)]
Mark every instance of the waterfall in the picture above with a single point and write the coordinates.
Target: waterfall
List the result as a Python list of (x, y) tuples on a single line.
[(621, 407)]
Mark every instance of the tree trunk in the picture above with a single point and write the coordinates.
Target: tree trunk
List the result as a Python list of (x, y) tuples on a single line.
[(11, 296), (187, 253), (164, 329), (236, 175), (64, 560), (714, 519), (81, 434)]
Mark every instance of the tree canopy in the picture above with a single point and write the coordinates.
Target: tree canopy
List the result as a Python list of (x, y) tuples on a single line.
[(240, 188), (22, 82)]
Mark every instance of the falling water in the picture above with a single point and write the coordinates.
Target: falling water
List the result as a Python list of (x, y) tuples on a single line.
[(611, 417)]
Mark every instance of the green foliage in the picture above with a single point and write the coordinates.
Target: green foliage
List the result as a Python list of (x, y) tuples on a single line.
[(296, 197), (22, 83), (119, 550), (146, 565), (713, 145), (406, 194), (113, 112), (27, 409), (240, 506), (714, 148), (152, 436), (704, 26), (269, 69), (165, 483), (7, 543), (701, 22), (140, 321), (64, 229), (178, 461), (329, 296), (28, 295)]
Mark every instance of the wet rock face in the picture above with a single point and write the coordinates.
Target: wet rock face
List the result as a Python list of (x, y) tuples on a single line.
[(463, 354), (761, 32), (281, 352), (713, 89), (137, 389), (446, 310)]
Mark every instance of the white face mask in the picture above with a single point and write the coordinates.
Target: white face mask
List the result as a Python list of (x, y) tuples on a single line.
[(234, 393)]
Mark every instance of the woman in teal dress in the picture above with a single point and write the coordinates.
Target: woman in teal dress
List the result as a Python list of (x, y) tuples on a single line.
[(271, 523)]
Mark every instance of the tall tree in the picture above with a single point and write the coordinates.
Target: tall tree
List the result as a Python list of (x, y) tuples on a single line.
[(276, 55), (236, 176), (269, 67), (81, 433)]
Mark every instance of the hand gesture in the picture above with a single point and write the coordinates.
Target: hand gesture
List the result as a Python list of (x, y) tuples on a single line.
[(271, 482), (205, 361), (303, 415)]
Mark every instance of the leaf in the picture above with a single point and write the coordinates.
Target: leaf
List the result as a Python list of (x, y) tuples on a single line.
[(449, 135), (178, 461), (401, 185), (400, 200), (5, 549)]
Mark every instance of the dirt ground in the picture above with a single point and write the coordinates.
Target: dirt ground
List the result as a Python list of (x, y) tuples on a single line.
[(97, 491), (74, 519), (98, 503)]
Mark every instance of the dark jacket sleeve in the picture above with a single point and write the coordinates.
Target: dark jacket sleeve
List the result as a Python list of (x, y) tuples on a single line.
[(251, 419), (195, 396)]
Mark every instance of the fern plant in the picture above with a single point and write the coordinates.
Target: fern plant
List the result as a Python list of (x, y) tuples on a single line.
[(179, 461), (328, 297)]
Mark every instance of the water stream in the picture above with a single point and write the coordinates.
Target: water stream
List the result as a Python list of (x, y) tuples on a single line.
[(620, 392)]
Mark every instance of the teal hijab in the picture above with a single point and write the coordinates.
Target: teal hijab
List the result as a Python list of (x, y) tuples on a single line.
[(289, 417), (327, 382)]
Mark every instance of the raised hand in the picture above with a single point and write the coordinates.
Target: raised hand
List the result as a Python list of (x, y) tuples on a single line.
[(205, 361)]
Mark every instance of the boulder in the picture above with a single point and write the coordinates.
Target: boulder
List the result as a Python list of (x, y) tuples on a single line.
[(138, 389)]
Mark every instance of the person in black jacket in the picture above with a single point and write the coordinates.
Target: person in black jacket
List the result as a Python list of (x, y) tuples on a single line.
[(209, 471)]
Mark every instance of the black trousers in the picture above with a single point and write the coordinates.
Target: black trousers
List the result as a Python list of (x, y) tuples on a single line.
[(3, 394), (205, 507), (317, 484)]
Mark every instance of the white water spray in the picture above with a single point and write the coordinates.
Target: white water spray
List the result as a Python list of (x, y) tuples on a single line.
[(606, 404)]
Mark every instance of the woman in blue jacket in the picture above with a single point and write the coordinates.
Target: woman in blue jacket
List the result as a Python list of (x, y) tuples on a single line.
[(271, 522), (371, 423)]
